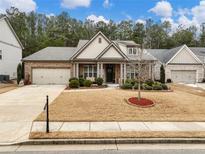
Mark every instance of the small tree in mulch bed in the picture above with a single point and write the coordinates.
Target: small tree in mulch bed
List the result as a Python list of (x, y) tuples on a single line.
[(138, 101)]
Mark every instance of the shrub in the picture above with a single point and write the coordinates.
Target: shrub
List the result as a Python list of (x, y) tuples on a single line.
[(149, 82), (169, 81), (164, 87), (73, 78), (87, 83), (99, 81), (203, 80), (162, 74), (19, 73), (81, 81), (74, 84), (130, 81), (127, 86), (146, 86)]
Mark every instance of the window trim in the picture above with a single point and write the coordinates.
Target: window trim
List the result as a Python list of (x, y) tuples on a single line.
[(131, 51), (88, 71), (99, 40)]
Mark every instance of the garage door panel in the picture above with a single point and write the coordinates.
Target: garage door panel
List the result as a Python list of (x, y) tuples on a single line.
[(50, 76), (183, 76)]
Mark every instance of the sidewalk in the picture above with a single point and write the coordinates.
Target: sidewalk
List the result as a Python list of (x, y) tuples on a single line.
[(118, 126)]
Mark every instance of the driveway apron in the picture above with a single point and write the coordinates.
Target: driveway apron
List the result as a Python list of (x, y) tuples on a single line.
[(19, 107)]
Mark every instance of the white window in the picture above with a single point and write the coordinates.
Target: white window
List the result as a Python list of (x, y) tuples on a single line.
[(0, 54), (132, 51), (89, 71), (131, 72)]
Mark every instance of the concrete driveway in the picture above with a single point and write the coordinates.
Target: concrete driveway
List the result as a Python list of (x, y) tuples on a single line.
[(19, 107)]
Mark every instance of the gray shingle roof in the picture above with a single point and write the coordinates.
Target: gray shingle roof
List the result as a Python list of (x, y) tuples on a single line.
[(127, 43), (199, 52), (164, 55), (52, 54)]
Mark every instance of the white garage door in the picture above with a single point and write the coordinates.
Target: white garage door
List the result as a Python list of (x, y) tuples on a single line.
[(50, 76), (183, 76)]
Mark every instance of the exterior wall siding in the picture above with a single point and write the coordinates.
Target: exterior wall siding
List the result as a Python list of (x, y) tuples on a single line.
[(199, 70), (184, 56), (28, 66), (11, 57)]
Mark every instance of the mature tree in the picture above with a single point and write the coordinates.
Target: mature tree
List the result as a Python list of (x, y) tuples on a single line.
[(138, 33)]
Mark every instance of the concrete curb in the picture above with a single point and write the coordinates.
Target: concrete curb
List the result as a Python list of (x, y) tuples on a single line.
[(112, 141)]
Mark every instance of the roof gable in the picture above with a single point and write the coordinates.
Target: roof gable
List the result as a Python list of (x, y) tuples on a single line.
[(112, 51), (184, 55), (8, 35), (92, 48)]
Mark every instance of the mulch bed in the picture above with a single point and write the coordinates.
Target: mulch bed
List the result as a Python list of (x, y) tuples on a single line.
[(92, 87), (143, 102)]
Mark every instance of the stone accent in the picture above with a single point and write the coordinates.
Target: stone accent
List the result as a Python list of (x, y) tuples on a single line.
[(29, 65)]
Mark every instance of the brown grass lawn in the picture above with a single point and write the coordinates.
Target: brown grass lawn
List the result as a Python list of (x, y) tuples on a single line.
[(7, 87), (122, 134), (183, 104)]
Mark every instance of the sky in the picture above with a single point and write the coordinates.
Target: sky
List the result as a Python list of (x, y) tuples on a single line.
[(178, 12)]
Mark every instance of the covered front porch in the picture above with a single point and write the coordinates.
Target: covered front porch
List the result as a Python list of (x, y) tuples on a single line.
[(111, 72)]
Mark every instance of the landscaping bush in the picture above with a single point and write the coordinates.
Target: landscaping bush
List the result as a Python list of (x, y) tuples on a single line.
[(130, 81), (149, 82), (203, 80), (73, 78), (157, 86), (74, 84), (136, 86), (19, 73), (146, 86), (99, 81), (87, 83), (169, 81), (127, 86), (164, 87), (162, 74), (81, 81)]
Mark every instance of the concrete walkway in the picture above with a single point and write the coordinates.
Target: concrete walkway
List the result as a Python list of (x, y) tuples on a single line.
[(19, 107), (119, 126)]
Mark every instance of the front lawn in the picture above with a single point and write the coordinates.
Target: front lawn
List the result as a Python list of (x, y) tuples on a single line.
[(109, 105)]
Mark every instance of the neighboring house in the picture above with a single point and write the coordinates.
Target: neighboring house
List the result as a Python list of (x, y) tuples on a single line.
[(182, 64), (114, 61), (10, 50)]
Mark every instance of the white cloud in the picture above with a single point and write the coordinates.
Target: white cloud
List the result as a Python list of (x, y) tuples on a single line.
[(162, 9), (22, 5), (96, 19), (141, 21), (71, 4), (183, 11), (106, 4), (198, 12)]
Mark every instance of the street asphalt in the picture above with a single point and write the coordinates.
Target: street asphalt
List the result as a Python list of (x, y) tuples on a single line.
[(105, 149)]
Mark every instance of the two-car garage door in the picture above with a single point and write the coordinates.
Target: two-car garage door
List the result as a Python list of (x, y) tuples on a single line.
[(50, 76), (188, 76)]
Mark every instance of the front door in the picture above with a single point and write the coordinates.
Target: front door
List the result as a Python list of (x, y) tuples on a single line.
[(110, 73)]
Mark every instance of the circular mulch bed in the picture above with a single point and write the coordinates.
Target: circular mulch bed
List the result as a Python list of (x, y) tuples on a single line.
[(142, 103)]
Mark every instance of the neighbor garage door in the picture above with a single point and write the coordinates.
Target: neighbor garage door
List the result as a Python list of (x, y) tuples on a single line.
[(50, 76), (183, 76)]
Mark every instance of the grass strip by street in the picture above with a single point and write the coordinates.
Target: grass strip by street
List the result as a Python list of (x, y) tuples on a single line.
[(124, 134)]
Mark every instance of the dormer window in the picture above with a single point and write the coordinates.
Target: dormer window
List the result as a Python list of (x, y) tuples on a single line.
[(132, 51), (99, 40), (0, 54)]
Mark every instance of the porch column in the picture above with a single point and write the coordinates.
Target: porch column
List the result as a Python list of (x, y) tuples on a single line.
[(121, 73), (98, 71), (101, 70), (125, 72), (77, 70), (73, 69), (150, 70)]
